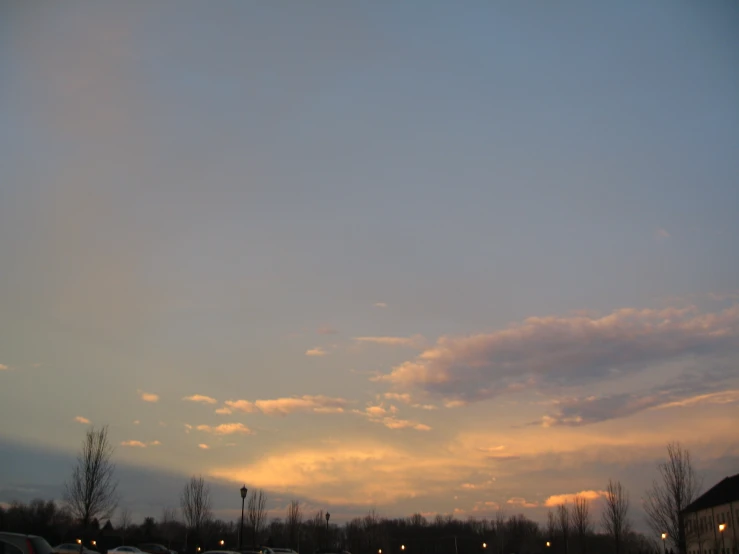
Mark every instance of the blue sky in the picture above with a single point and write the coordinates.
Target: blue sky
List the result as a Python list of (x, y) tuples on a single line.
[(375, 238)]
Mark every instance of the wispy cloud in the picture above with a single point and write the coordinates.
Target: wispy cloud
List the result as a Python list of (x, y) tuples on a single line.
[(154, 443), (563, 351), (380, 305), (326, 330), (241, 406), (521, 502), (135, 444), (721, 397), (406, 398), (305, 403), (201, 398), (317, 351), (203, 446), (80, 419), (224, 410), (557, 499), (416, 341), (136, 421), (148, 396), (284, 406), (388, 418), (4, 367), (226, 429), (661, 234)]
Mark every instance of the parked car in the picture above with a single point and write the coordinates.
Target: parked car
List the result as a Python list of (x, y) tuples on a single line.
[(154, 548), (72, 548), (283, 550), (16, 543), (128, 549)]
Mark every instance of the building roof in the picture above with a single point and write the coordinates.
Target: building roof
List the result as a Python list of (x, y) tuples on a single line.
[(723, 492)]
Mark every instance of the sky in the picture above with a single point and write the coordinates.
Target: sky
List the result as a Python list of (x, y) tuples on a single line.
[(447, 258)]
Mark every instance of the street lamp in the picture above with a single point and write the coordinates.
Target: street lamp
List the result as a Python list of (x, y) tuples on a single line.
[(484, 545), (327, 518), (549, 544), (241, 529), (402, 547), (222, 542), (664, 543), (721, 528)]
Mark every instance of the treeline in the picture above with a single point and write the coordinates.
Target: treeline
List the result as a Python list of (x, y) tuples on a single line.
[(370, 534)]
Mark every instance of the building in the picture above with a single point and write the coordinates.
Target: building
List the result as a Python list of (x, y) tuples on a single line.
[(712, 520)]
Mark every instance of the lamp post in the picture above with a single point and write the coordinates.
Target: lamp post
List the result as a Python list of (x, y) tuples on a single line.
[(664, 543), (549, 544), (327, 518), (721, 529), (241, 529)]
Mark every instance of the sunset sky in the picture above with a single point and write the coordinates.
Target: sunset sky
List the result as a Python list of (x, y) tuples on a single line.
[(417, 256)]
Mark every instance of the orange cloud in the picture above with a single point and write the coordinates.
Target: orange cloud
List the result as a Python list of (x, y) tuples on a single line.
[(347, 472), (305, 403), (203, 446), (722, 397), (241, 406), (226, 429), (4, 367), (416, 341), (521, 502), (148, 396), (223, 411), (557, 499), (387, 417), (80, 419), (136, 444), (317, 351), (154, 443), (201, 398)]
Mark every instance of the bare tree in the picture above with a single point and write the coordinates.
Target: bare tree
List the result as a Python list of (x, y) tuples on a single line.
[(293, 520), (124, 522), (551, 525), (581, 520), (677, 486), (196, 505), (563, 523), (615, 516), (500, 529), (91, 493), (168, 525), (256, 512)]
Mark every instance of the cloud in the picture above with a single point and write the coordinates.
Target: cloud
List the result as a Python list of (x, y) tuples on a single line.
[(317, 351), (148, 396), (223, 411), (562, 351), (136, 421), (380, 305), (557, 499), (661, 234), (347, 472), (416, 341), (406, 398), (84, 420), (4, 367), (201, 398), (721, 397), (326, 330), (203, 446), (305, 403), (521, 502), (226, 429), (135, 444), (154, 443), (388, 418), (241, 406)]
